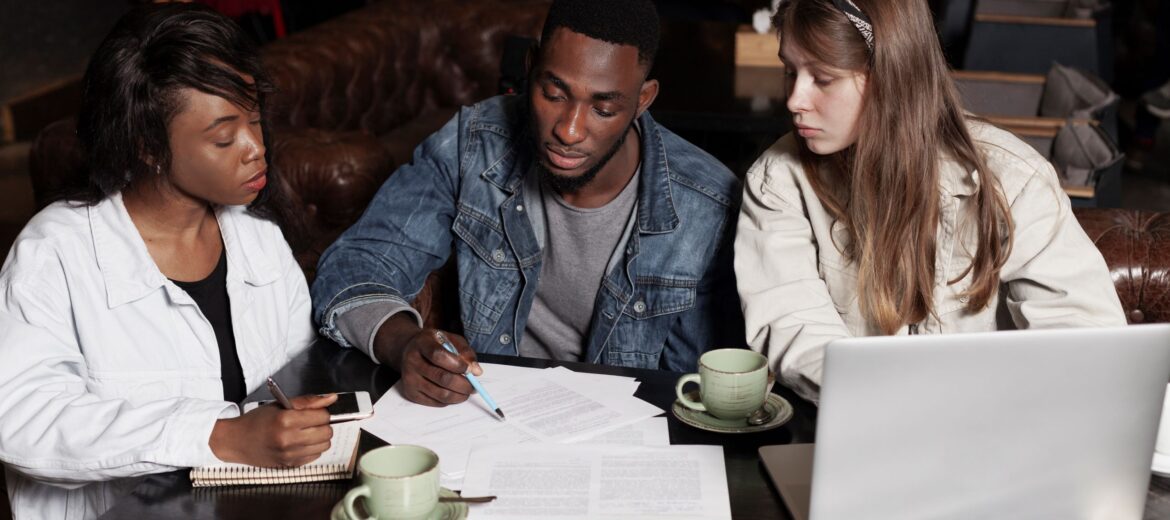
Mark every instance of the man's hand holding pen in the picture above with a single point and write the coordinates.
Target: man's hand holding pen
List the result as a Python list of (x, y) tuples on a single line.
[(430, 374)]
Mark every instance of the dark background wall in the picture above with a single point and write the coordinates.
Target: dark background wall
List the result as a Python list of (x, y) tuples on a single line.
[(42, 42)]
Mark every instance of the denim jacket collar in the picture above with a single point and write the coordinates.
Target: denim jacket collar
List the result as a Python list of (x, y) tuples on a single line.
[(508, 171), (656, 210)]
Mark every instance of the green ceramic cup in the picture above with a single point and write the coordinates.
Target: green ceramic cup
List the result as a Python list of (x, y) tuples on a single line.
[(398, 482), (733, 383)]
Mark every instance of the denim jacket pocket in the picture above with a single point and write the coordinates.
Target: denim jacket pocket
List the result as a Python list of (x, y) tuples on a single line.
[(488, 272), (485, 236), (648, 319), (654, 297), (633, 359)]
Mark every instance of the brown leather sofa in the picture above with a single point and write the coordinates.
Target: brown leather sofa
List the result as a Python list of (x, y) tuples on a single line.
[(356, 94), (1136, 245)]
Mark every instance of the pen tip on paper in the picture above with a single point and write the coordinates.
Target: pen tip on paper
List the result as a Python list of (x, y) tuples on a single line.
[(501, 414)]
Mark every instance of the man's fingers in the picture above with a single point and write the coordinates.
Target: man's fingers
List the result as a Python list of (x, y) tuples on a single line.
[(466, 353), (449, 381), (418, 397), (440, 357), (443, 396), (429, 384)]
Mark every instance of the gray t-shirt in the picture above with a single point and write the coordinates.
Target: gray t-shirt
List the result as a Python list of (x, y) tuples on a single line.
[(578, 245)]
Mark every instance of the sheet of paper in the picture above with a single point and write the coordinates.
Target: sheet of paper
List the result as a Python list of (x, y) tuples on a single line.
[(496, 373), (647, 432), (596, 383), (539, 406), (565, 372), (598, 481), (554, 411)]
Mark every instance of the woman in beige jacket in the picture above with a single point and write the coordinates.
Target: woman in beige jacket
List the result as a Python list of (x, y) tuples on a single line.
[(891, 211)]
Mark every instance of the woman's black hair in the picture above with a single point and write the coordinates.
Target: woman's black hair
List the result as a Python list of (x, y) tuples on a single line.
[(131, 93)]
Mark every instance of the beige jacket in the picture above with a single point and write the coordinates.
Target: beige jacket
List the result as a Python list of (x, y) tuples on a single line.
[(798, 292)]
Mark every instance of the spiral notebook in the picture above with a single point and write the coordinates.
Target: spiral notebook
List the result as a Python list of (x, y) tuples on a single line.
[(336, 463)]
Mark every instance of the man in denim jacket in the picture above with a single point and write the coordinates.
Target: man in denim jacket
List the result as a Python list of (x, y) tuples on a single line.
[(581, 229)]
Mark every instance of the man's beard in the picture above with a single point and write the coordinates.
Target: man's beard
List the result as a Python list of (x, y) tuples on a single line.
[(573, 184)]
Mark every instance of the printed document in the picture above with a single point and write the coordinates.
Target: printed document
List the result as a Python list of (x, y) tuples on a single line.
[(553, 405), (598, 481)]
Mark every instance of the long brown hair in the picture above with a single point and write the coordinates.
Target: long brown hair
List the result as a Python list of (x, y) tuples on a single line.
[(885, 189)]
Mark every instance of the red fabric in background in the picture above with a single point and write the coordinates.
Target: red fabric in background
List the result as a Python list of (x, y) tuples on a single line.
[(238, 8)]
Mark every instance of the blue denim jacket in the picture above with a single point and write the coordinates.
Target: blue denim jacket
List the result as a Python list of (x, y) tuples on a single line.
[(669, 298)]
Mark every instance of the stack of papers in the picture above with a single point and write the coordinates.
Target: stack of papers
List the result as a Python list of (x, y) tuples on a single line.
[(620, 465), (554, 405), (599, 481)]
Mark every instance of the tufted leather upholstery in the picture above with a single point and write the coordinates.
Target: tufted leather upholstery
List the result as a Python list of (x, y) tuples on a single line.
[(1136, 245), (355, 95), (378, 68)]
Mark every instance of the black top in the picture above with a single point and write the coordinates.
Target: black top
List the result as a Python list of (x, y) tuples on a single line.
[(210, 294)]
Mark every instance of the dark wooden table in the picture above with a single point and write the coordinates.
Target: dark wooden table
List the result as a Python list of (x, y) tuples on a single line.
[(326, 367)]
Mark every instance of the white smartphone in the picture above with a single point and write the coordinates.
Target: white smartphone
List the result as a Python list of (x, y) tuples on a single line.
[(349, 406)]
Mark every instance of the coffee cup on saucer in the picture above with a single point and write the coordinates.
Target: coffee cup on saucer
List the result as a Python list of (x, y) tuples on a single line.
[(733, 384), (399, 482)]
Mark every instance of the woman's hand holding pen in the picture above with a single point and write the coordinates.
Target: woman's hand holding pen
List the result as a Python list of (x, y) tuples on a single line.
[(271, 436), (430, 375)]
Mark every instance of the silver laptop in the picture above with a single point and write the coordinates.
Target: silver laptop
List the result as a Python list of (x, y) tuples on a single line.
[(1055, 424)]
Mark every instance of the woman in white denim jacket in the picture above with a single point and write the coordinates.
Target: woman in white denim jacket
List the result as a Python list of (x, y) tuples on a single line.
[(134, 316), (891, 211)]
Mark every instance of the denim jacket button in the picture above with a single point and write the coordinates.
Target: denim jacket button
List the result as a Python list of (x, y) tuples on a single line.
[(519, 207), (505, 338), (498, 255), (640, 307)]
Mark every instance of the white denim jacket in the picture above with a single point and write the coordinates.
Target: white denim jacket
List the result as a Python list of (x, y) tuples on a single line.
[(799, 292), (108, 370)]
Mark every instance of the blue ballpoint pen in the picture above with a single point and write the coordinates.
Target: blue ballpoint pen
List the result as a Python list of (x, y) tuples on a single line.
[(470, 377)]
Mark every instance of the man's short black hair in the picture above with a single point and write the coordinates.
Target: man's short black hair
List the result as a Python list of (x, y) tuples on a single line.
[(621, 22)]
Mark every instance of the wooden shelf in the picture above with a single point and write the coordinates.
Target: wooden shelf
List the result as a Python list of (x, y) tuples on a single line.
[(1035, 20), (998, 77), (1080, 192), (753, 49)]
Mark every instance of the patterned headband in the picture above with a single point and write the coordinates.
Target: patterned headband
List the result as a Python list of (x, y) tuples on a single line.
[(859, 19)]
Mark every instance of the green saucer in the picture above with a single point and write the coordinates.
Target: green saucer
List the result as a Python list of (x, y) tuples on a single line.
[(443, 511), (779, 408)]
